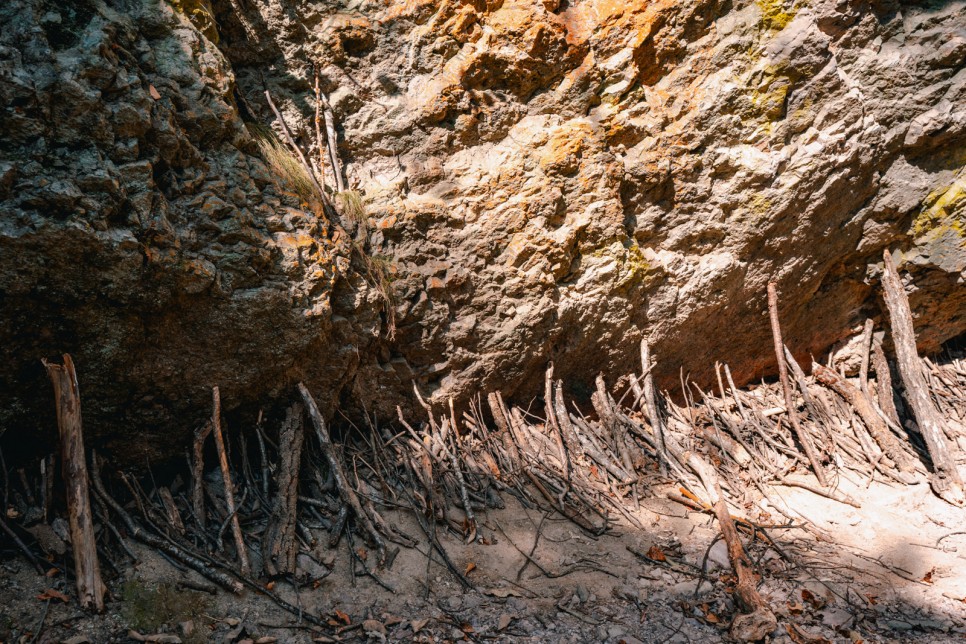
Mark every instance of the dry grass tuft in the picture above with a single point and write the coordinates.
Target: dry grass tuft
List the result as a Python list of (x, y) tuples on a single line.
[(380, 273), (352, 206), (286, 167)]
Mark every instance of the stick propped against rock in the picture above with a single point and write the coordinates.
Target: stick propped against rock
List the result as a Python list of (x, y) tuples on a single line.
[(280, 546), (90, 588), (802, 437), (236, 530), (946, 481), (873, 422), (348, 494)]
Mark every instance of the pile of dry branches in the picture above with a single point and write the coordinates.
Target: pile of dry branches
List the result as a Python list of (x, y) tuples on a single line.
[(279, 493)]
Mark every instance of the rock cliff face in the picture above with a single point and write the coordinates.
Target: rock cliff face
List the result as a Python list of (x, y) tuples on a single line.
[(545, 181)]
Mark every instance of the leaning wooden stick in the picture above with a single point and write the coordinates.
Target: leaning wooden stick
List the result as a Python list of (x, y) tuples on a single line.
[(243, 563), (864, 365), (280, 546), (756, 619), (298, 151), (338, 473), (946, 482), (198, 474), (90, 588), (318, 128), (650, 401), (883, 385), (802, 437), (333, 141), (552, 423), (873, 422)]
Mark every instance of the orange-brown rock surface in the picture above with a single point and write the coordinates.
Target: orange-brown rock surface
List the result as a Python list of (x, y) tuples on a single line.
[(545, 181)]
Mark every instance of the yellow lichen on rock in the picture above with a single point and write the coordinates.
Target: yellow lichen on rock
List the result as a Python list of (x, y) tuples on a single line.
[(774, 14), (201, 15), (944, 211)]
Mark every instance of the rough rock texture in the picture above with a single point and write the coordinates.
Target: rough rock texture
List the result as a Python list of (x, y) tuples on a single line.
[(551, 181)]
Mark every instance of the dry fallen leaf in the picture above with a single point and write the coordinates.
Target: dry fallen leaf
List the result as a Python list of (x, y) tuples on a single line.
[(418, 624), (50, 593), (505, 620), (154, 92), (342, 616), (814, 600), (470, 567), (371, 626), (656, 554), (927, 578)]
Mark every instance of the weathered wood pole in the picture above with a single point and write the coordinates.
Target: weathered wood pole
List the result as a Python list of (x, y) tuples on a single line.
[(90, 587), (946, 480), (802, 437)]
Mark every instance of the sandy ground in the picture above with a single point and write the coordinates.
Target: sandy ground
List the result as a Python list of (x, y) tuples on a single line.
[(893, 570)]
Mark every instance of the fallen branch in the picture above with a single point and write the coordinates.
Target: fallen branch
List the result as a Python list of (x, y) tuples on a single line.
[(880, 432), (756, 619), (346, 492)]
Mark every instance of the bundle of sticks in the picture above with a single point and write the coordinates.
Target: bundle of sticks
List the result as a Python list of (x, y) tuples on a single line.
[(301, 489)]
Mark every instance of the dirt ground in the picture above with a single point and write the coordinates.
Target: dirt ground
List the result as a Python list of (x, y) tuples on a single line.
[(891, 571)]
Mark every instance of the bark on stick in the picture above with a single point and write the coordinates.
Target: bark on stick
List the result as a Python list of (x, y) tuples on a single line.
[(280, 546), (946, 480), (802, 437), (243, 563), (90, 588)]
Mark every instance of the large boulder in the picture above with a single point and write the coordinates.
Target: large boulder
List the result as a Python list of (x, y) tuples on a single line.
[(545, 181)]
